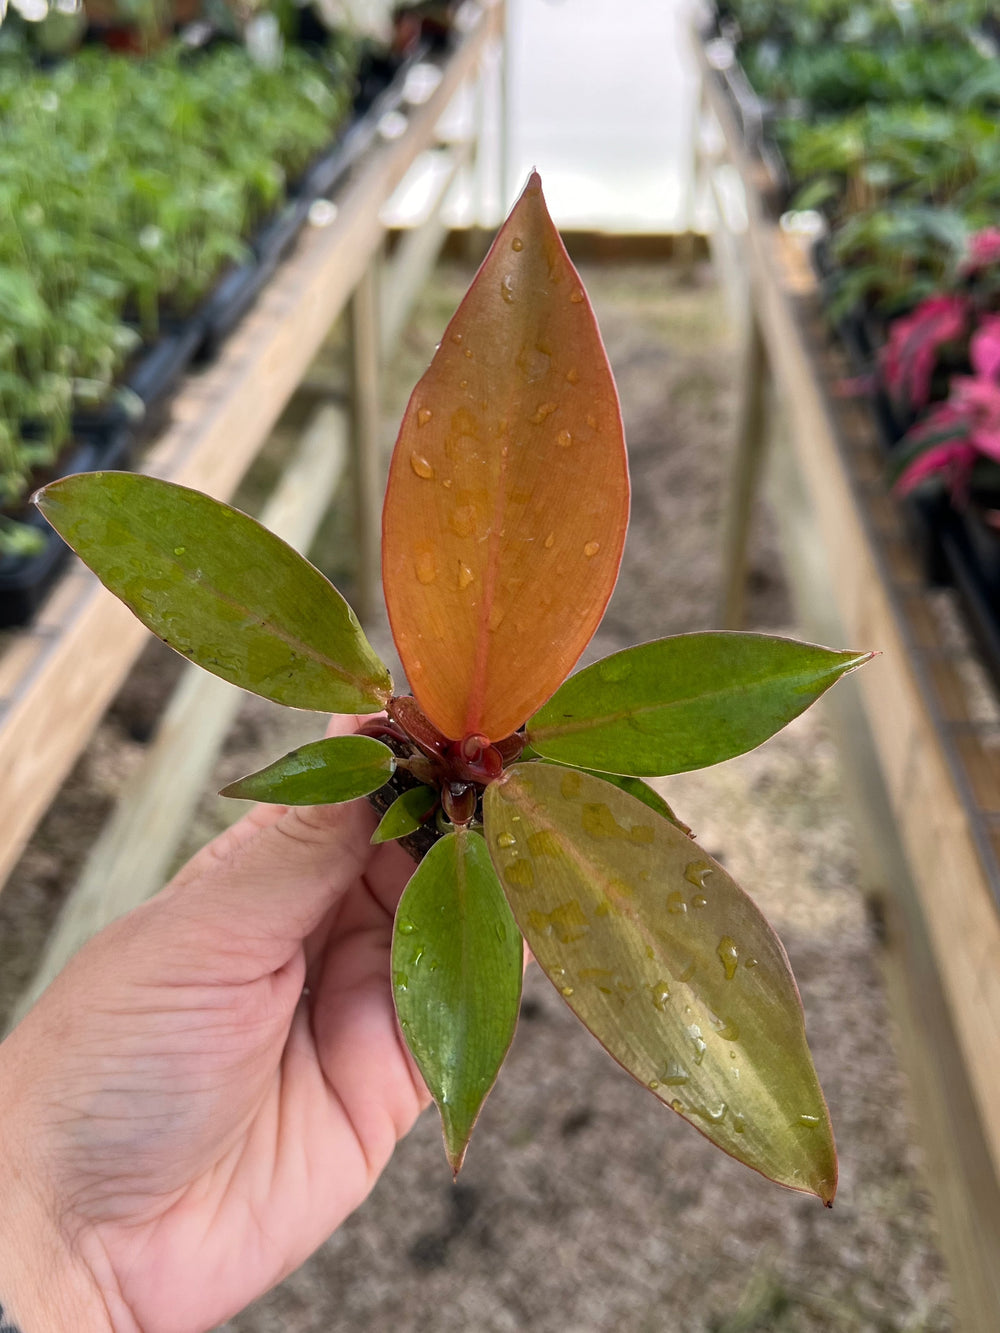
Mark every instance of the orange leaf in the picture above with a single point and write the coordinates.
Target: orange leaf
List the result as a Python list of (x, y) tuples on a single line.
[(507, 501)]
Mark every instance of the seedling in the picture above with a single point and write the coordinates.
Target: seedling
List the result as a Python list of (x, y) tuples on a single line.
[(503, 528)]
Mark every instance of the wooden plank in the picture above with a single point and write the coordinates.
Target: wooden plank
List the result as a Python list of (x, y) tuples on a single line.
[(130, 859), (220, 420)]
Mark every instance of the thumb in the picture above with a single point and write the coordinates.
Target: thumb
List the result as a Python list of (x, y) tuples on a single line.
[(243, 905)]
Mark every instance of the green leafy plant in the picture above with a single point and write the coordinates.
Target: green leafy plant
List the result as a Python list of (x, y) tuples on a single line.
[(126, 189), (504, 522)]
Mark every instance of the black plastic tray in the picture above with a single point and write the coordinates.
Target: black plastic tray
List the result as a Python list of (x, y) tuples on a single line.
[(25, 580)]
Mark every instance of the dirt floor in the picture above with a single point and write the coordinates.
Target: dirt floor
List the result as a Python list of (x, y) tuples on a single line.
[(584, 1206)]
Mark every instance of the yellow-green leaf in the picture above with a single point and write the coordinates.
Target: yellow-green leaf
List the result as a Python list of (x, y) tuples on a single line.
[(668, 962), (456, 977)]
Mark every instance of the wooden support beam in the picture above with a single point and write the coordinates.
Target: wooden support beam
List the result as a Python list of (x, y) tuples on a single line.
[(131, 857)]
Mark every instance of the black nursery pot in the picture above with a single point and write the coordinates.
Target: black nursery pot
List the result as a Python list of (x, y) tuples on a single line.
[(971, 546), (25, 580)]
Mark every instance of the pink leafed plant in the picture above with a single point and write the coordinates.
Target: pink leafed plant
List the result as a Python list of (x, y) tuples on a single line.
[(949, 440)]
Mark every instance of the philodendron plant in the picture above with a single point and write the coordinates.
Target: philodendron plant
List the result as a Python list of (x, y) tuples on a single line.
[(521, 792)]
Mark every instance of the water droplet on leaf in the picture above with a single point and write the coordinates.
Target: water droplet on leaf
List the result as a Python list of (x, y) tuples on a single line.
[(591, 549), (405, 926), (564, 439), (423, 416), (729, 956), (676, 903), (517, 243), (421, 467), (506, 840), (507, 288), (426, 567), (695, 872), (465, 577), (576, 296), (521, 874)]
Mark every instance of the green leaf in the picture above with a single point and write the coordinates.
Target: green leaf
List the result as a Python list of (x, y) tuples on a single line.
[(684, 702), (326, 772), (220, 589), (667, 961), (405, 815), (457, 961)]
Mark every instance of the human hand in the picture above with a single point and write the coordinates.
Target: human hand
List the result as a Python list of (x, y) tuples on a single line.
[(212, 1084)]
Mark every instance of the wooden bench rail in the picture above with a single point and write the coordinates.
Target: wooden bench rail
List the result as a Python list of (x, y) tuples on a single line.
[(921, 756)]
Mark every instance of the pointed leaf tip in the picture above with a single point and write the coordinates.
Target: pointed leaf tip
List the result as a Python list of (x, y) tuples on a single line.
[(507, 500)]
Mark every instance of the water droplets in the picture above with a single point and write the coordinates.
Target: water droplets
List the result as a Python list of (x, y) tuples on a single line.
[(517, 244), (400, 980), (507, 288), (676, 1075), (462, 520), (564, 439), (699, 900), (573, 376), (809, 1121), (566, 991), (729, 956), (425, 566), (520, 874), (457, 339), (576, 296), (179, 550), (421, 466), (404, 926), (542, 412), (545, 843), (506, 840), (696, 872), (550, 541), (567, 922), (660, 993), (468, 353), (676, 904), (465, 577), (590, 549)]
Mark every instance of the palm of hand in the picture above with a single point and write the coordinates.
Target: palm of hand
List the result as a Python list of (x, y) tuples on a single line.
[(210, 1125)]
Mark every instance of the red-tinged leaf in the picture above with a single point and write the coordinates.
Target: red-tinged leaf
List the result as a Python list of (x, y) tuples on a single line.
[(507, 501), (667, 962)]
